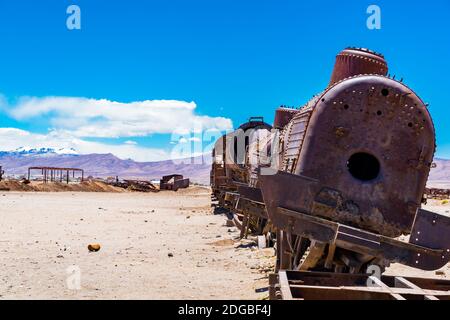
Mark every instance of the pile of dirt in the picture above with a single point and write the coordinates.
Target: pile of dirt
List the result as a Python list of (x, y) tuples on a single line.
[(86, 186), (14, 185)]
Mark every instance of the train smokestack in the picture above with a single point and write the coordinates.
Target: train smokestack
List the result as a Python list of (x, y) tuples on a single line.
[(282, 117), (354, 61)]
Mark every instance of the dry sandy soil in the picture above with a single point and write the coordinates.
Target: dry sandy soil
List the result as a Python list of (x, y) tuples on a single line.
[(154, 246)]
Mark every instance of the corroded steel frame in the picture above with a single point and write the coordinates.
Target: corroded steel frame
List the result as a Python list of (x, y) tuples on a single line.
[(294, 211), (300, 285), (55, 174)]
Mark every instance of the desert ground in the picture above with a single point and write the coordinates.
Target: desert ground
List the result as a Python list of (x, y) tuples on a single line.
[(167, 245)]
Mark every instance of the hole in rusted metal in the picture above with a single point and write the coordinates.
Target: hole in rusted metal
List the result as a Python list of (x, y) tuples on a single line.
[(346, 106), (410, 124), (385, 92), (379, 113), (363, 166)]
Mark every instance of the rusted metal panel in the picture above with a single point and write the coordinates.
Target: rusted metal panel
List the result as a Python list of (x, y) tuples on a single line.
[(274, 287), (256, 209), (253, 194), (276, 194), (431, 230)]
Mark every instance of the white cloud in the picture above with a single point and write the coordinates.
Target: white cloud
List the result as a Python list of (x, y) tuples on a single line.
[(73, 119), (12, 138), (186, 139), (83, 117)]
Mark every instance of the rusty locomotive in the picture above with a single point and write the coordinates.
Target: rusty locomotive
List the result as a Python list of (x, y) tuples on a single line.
[(336, 182)]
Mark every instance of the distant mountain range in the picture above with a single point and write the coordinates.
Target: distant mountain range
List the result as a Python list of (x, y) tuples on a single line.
[(440, 176), (16, 162)]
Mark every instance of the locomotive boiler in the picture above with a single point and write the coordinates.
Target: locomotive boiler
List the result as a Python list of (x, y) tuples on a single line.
[(339, 179)]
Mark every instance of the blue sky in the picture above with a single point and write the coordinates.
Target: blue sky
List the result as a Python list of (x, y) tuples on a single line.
[(218, 62)]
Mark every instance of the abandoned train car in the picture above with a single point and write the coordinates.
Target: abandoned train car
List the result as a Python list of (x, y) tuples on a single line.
[(340, 178)]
